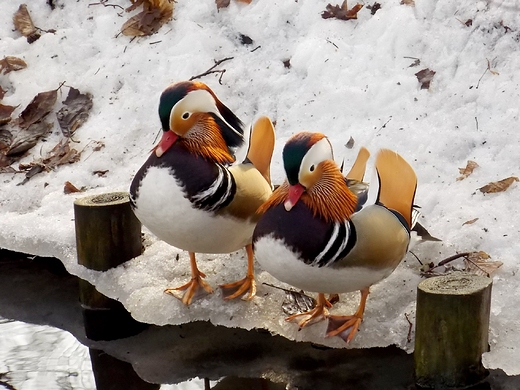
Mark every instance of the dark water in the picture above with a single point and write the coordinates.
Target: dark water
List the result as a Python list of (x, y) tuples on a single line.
[(43, 346)]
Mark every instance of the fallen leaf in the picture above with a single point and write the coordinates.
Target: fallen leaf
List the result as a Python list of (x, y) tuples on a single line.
[(5, 114), (465, 172), (222, 3), (70, 188), (33, 171), (38, 108), (155, 13), (75, 112), (478, 263), (6, 138), (416, 62), (350, 143), (24, 24), (2, 93), (374, 8), (61, 154), (343, 13), (100, 173), (26, 139), (408, 2), (470, 221), (245, 40), (498, 186), (98, 146), (245, 1), (425, 77), (10, 64)]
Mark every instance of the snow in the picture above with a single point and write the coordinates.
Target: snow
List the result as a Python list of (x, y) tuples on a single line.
[(347, 78)]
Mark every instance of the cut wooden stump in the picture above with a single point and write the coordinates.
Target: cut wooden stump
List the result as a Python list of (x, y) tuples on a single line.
[(107, 235), (452, 324)]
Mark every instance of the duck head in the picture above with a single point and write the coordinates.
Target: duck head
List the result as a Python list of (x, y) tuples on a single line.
[(191, 111), (304, 156)]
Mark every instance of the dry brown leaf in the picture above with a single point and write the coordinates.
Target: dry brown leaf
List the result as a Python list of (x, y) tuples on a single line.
[(374, 8), (75, 112), (425, 77), (70, 188), (6, 138), (26, 139), (154, 14), (343, 13), (38, 108), (465, 172), (10, 64), (5, 113), (498, 186), (61, 154), (408, 2), (222, 3), (24, 24), (478, 263), (470, 221)]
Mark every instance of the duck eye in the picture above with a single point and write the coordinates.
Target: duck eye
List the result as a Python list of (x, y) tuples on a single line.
[(186, 115), (311, 168)]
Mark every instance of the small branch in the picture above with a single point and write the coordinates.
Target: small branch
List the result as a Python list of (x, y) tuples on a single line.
[(384, 125), (414, 255), (212, 70), (332, 43), (451, 258), (409, 337), (105, 4)]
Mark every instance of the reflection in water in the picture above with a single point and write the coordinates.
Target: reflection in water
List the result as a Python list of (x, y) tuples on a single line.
[(37, 357), (42, 357)]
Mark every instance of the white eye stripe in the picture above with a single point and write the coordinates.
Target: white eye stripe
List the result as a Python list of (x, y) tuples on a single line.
[(320, 151)]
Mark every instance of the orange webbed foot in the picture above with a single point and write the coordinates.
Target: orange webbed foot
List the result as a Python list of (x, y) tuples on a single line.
[(245, 287), (191, 288), (345, 327), (319, 313)]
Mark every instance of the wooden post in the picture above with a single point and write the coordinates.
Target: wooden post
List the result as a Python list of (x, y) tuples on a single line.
[(107, 235), (452, 324)]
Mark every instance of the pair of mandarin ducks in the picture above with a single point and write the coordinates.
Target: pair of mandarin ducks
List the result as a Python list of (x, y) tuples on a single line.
[(313, 232)]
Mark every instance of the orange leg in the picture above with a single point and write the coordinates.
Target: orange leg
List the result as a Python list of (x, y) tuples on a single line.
[(317, 314), (247, 284), (346, 327), (192, 286)]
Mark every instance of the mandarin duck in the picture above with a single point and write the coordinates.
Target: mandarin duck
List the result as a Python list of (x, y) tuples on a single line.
[(313, 233), (191, 195)]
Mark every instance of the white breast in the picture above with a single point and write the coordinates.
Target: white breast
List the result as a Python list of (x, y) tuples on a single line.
[(162, 207), (285, 265)]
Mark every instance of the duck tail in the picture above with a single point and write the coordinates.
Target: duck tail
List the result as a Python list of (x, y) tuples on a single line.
[(261, 146), (397, 184)]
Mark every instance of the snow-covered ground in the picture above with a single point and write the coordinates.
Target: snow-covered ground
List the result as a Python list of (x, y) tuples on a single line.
[(346, 79)]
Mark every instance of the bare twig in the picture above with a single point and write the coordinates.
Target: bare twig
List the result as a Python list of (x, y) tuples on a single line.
[(451, 258), (213, 70), (384, 125), (409, 337), (419, 260), (104, 3)]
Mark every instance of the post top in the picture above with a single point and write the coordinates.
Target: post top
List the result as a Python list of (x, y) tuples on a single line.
[(456, 283), (106, 199)]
